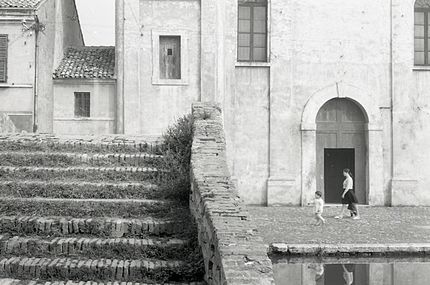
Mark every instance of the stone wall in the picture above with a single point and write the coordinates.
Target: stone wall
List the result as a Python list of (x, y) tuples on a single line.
[(234, 252)]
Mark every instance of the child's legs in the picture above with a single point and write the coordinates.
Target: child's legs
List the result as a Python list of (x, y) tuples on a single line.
[(319, 217)]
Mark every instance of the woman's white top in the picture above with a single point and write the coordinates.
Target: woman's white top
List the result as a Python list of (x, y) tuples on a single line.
[(348, 184)]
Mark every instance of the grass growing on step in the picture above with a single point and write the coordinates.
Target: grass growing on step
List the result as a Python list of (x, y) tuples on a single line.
[(63, 160), (31, 146), (176, 151), (78, 209), (78, 175), (79, 191)]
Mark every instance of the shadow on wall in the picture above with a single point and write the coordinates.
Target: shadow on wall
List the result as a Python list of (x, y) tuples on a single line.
[(15, 123), (6, 124)]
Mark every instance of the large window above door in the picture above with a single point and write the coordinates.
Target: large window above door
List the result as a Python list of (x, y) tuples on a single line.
[(252, 31), (422, 33)]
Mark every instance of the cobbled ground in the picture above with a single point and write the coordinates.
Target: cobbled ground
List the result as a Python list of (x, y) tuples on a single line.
[(294, 225)]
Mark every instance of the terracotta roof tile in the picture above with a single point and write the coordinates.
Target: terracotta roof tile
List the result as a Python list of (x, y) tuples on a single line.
[(422, 3), (87, 63), (20, 3)]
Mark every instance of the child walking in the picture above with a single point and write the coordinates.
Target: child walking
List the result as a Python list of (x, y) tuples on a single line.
[(319, 208)]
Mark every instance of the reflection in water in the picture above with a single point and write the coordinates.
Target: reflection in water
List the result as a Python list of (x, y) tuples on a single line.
[(398, 273)]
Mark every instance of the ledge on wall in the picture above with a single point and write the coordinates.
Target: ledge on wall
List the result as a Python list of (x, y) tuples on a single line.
[(234, 253)]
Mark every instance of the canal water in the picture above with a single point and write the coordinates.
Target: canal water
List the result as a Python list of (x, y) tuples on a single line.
[(352, 272)]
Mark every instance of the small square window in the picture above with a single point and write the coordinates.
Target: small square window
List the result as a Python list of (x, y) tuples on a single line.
[(82, 104), (170, 57)]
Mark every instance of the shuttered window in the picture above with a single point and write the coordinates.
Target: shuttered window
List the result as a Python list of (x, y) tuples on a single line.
[(170, 57), (3, 58), (422, 32), (252, 30), (82, 104)]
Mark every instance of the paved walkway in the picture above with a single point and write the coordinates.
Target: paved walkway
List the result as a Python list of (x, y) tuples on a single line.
[(378, 225)]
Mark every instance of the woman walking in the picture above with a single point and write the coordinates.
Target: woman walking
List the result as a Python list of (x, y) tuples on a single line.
[(348, 196)]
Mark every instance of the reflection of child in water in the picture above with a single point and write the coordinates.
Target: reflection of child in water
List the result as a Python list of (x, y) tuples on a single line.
[(348, 273), (318, 269)]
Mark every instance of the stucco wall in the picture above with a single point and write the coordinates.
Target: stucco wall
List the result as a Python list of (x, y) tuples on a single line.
[(61, 31), (361, 50), (150, 107), (411, 114), (16, 95), (102, 107)]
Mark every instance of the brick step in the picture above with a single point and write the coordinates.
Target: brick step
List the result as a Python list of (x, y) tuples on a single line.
[(119, 248), (97, 227), (81, 208), (91, 269), (77, 173), (67, 159), (9, 281), (81, 190), (84, 144)]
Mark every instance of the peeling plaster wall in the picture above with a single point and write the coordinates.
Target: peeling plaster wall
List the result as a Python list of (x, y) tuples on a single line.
[(102, 107), (149, 106), (411, 114), (313, 46)]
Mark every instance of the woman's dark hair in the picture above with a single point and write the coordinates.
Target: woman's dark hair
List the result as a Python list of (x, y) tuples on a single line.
[(347, 170), (318, 193)]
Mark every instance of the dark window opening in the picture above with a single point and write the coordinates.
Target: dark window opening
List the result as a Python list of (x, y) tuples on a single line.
[(252, 30), (3, 57), (422, 32), (82, 104)]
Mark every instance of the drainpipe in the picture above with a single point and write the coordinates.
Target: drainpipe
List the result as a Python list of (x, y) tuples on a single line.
[(35, 82), (392, 91)]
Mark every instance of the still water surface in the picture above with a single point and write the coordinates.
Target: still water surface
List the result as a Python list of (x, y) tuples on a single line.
[(352, 272)]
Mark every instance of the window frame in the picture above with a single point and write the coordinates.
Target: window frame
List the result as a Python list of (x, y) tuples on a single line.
[(84, 111), (251, 34), (4, 79), (185, 62), (426, 12)]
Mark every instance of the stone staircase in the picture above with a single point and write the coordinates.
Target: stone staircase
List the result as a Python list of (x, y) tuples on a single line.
[(90, 211)]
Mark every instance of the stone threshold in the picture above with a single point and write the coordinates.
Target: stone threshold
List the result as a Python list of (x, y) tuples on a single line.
[(349, 249)]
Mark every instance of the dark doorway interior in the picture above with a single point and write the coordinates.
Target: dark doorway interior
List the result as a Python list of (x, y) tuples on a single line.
[(334, 274), (335, 160)]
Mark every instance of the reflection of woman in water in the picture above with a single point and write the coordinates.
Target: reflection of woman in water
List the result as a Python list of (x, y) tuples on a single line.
[(348, 273), (319, 270)]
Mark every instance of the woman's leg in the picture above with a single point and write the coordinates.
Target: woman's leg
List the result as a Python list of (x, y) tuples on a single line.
[(357, 213), (340, 216)]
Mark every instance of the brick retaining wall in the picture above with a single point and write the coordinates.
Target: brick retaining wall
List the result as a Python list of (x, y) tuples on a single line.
[(234, 252)]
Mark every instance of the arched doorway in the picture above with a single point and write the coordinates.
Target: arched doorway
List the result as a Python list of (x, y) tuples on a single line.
[(341, 143)]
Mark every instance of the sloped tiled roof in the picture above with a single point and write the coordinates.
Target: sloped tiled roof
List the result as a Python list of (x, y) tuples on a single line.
[(87, 63), (30, 4), (422, 3)]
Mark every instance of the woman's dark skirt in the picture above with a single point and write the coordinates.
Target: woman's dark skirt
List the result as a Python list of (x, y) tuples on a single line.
[(350, 198)]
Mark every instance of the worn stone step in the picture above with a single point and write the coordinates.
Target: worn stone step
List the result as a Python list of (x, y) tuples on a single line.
[(120, 248), (79, 173), (67, 159), (97, 227), (8, 281), (84, 144), (90, 269), (81, 190), (81, 208)]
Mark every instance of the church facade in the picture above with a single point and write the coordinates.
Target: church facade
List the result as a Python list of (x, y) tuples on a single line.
[(307, 89)]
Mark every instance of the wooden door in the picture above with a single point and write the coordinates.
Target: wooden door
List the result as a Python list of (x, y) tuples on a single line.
[(341, 125)]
